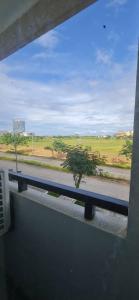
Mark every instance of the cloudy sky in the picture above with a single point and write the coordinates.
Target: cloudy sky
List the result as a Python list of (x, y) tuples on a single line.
[(78, 78)]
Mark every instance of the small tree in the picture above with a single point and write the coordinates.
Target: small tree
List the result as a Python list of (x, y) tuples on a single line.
[(59, 146), (15, 140), (127, 149), (80, 162)]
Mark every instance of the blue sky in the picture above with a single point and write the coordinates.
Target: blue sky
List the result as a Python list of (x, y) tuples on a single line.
[(79, 77)]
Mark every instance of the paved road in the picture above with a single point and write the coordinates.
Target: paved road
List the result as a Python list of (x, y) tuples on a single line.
[(124, 173), (54, 162), (101, 186)]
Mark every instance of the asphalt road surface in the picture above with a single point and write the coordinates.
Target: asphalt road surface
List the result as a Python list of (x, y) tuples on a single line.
[(124, 173), (101, 186)]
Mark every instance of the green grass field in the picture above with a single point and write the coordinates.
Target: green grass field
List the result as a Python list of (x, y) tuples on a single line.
[(108, 147)]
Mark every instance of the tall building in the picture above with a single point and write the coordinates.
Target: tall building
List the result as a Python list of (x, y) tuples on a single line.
[(18, 125)]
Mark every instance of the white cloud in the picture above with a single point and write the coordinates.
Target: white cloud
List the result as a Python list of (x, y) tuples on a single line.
[(65, 108), (114, 37), (103, 56), (133, 48), (49, 40), (93, 83), (116, 3)]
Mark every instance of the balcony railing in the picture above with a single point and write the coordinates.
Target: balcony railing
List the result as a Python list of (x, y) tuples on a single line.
[(90, 199)]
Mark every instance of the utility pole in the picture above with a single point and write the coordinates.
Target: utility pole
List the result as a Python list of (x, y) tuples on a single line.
[(15, 148), (18, 128)]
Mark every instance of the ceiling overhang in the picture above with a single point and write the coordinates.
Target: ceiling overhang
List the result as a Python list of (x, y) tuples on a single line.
[(23, 21)]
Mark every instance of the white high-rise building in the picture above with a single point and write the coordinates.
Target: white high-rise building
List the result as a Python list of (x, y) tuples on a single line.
[(18, 125)]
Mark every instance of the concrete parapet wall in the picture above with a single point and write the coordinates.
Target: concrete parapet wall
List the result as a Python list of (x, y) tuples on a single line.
[(53, 253)]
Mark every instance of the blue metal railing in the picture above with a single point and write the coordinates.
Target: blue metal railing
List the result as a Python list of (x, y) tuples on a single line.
[(89, 199)]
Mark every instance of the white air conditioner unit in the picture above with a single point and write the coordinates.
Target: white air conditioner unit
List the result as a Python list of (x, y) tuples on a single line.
[(4, 202)]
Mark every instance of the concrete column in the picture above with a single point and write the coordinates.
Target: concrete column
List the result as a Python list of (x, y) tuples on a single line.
[(133, 224), (128, 270), (3, 292)]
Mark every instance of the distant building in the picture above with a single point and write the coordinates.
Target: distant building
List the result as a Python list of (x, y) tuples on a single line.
[(122, 134), (27, 133), (130, 133), (106, 136)]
